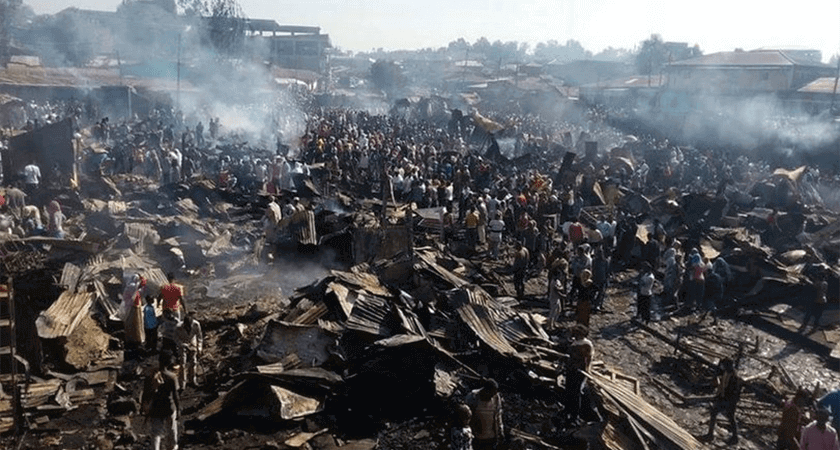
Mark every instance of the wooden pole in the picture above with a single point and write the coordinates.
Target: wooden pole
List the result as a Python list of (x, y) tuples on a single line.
[(834, 94)]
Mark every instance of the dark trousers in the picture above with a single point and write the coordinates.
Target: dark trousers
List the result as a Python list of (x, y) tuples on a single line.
[(695, 290), (484, 444), (519, 282), (643, 307), (727, 408), (151, 339), (815, 311), (573, 393)]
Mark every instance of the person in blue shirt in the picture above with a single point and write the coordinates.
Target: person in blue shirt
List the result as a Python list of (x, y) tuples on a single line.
[(831, 401), (150, 323)]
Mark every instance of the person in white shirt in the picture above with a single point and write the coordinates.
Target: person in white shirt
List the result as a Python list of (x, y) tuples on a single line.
[(497, 226), (31, 177), (193, 345), (645, 293)]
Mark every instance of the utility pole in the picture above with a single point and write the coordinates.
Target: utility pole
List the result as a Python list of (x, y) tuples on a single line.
[(178, 86), (834, 94)]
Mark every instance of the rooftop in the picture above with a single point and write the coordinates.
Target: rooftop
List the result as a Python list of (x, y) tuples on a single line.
[(633, 81), (756, 58), (825, 85)]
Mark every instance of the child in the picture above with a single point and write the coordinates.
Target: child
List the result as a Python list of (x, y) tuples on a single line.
[(461, 433), (150, 323)]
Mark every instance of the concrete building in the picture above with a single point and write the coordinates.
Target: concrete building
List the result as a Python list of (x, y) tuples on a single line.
[(292, 47), (745, 73), (150, 30)]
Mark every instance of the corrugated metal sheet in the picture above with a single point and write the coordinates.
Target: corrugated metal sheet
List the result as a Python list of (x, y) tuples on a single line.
[(496, 325), (478, 318), (70, 276), (302, 228), (370, 315), (309, 343), (427, 261), (62, 317), (141, 232), (363, 280)]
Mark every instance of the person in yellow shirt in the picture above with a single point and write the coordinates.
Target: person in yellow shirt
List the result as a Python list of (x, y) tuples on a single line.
[(471, 223)]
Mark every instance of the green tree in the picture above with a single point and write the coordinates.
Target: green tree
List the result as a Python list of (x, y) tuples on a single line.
[(655, 54), (226, 26), (652, 55), (387, 76)]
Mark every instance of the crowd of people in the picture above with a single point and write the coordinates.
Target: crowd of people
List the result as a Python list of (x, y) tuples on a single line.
[(539, 218)]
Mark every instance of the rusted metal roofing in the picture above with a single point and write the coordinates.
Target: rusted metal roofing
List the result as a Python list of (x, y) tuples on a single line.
[(496, 325), (62, 317), (738, 58), (823, 85)]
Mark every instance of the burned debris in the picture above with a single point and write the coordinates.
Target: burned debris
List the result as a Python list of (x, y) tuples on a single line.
[(414, 279)]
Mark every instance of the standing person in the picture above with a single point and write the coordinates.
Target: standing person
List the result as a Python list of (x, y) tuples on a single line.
[(31, 178), (696, 286), (169, 334), (497, 227), (173, 297), (55, 220), (150, 324), (586, 296), (161, 403), (713, 295), (819, 435), (556, 291), (580, 353), (471, 223), (134, 329), (461, 434), (487, 426), (16, 201), (726, 399), (520, 268), (790, 428), (831, 402), (193, 345), (482, 220), (645, 293), (673, 278), (600, 277), (816, 308)]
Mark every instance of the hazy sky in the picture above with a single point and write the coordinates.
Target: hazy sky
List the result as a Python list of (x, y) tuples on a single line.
[(716, 25)]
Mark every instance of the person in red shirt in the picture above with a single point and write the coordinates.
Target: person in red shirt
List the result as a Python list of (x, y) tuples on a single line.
[(173, 297)]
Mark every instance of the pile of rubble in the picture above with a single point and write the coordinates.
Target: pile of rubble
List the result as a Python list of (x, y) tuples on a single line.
[(359, 329)]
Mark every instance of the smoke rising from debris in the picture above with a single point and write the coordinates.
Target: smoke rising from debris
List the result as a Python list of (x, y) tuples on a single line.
[(756, 123)]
